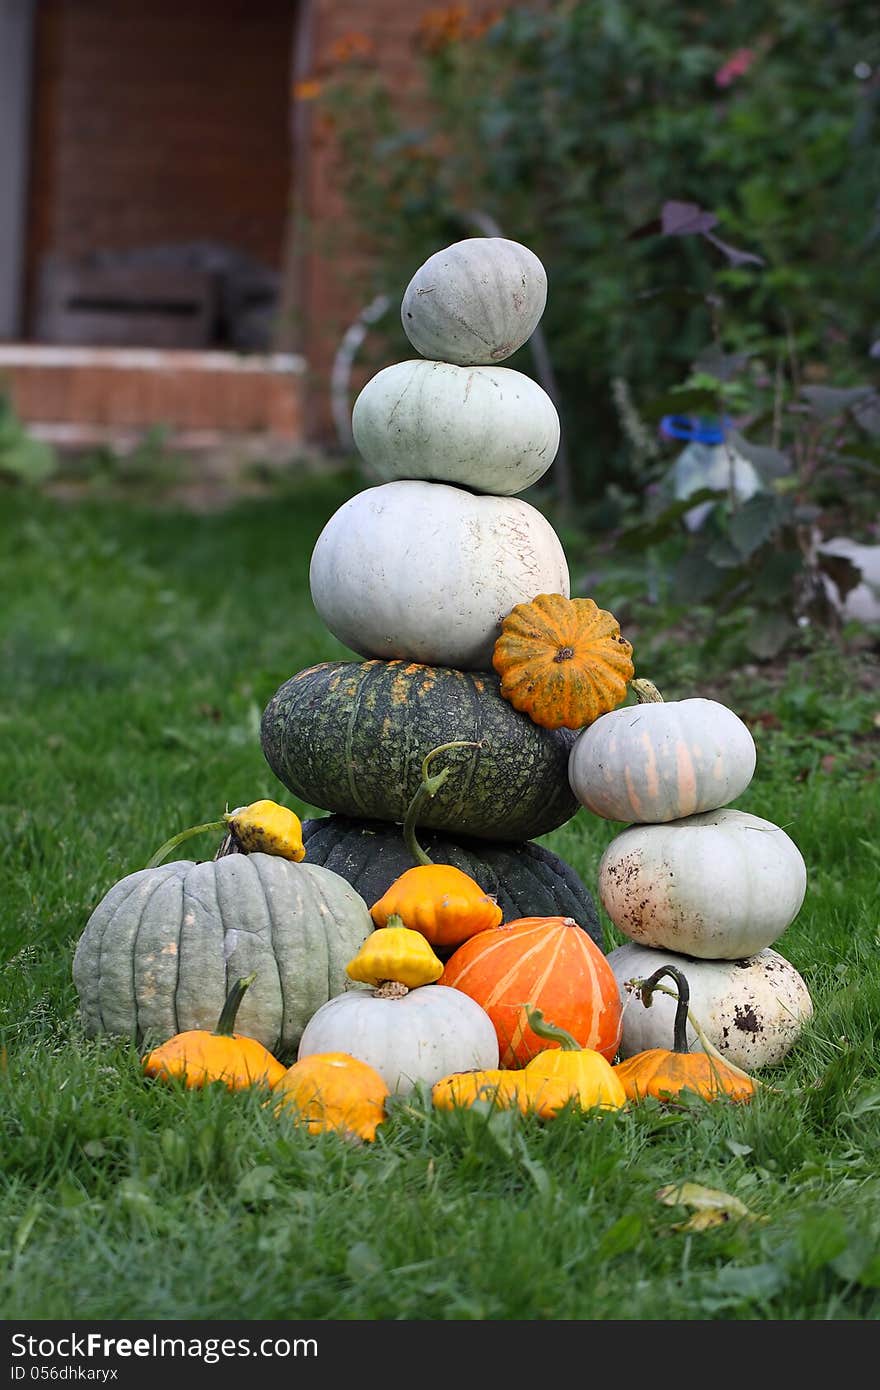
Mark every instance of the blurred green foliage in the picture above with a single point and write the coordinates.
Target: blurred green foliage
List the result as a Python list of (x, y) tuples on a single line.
[(571, 124)]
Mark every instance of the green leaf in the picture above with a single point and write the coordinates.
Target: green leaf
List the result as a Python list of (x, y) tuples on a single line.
[(258, 1185), (769, 634), (754, 522), (622, 1235), (770, 463)]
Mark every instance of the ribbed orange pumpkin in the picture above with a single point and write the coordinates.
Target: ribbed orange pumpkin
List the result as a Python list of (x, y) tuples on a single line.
[(539, 962), (562, 661)]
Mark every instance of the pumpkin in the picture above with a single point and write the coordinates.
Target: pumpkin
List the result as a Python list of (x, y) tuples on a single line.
[(665, 1073), (408, 1035), (543, 962), (395, 952), (661, 760), (752, 1011), (332, 1091), (475, 301), (462, 1089), (719, 885), (427, 571), (487, 428), (567, 1073), (199, 1057), (525, 879), (158, 953), (562, 661), (350, 736)]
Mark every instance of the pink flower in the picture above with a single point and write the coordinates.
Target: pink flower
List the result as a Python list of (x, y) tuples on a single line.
[(736, 66)]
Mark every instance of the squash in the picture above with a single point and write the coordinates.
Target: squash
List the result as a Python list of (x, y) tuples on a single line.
[(752, 1011), (474, 302), (541, 962), (562, 661), (159, 951), (427, 571), (199, 1057), (664, 1073), (395, 952), (567, 1074), (661, 760), (525, 879), (350, 736), (408, 1035), (486, 428), (462, 1089), (719, 885), (332, 1092)]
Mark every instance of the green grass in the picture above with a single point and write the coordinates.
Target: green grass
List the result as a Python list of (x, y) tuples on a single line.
[(138, 646)]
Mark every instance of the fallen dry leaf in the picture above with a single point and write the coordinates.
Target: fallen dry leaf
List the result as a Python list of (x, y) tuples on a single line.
[(710, 1206)]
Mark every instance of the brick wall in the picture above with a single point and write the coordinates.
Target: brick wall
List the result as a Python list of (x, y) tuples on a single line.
[(160, 122)]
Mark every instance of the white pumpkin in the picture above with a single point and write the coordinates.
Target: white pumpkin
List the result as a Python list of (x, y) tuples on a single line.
[(662, 760), (720, 885), (752, 1010), (474, 302), (427, 572), (421, 1036), (488, 428)]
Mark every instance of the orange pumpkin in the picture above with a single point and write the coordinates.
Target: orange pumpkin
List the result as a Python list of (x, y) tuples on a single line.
[(332, 1091), (665, 1074), (562, 661), (198, 1057), (540, 962)]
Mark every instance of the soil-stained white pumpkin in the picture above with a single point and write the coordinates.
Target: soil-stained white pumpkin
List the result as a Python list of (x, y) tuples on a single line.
[(720, 885), (488, 428), (474, 302), (430, 1032), (752, 1010), (662, 761), (426, 572)]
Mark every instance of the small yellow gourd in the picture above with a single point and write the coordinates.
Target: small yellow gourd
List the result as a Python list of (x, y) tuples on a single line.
[(461, 1089), (395, 952), (264, 827), (567, 1073)]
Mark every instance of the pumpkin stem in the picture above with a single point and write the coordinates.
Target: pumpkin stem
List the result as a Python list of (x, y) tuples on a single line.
[(164, 850), (646, 692), (708, 1046), (679, 1030), (226, 1021), (428, 787), (551, 1031)]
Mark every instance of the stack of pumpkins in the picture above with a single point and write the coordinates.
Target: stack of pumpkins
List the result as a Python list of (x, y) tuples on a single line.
[(692, 882), (416, 573)]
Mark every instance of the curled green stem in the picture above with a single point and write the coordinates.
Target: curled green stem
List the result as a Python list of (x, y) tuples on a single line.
[(429, 786), (551, 1032), (226, 1022), (164, 850)]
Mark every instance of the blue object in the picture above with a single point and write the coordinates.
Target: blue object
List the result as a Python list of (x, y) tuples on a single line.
[(699, 430)]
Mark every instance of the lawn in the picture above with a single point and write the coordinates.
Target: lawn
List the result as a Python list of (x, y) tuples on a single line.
[(139, 646)]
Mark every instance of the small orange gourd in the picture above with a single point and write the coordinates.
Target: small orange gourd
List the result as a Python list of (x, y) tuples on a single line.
[(198, 1057), (665, 1074), (333, 1091), (562, 661), (442, 902)]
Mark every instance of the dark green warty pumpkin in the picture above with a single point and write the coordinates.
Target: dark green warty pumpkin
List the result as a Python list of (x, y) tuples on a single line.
[(161, 950), (350, 737), (526, 879)]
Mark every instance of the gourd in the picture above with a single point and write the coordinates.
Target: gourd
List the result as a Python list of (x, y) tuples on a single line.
[(332, 1092), (752, 1010), (525, 879), (395, 952), (719, 885), (562, 661), (199, 1057), (407, 1035), (159, 951), (661, 760), (541, 962), (486, 428), (461, 1089), (664, 1073), (427, 571), (350, 736), (475, 301), (566, 1074)]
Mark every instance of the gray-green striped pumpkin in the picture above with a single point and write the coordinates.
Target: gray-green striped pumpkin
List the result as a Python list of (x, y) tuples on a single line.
[(526, 879), (350, 737), (161, 950)]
